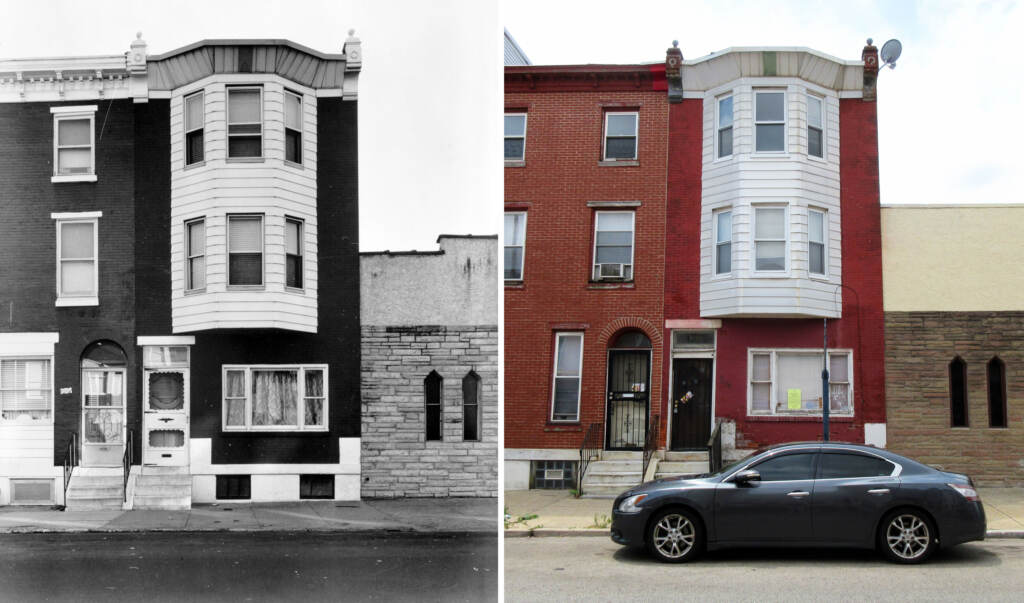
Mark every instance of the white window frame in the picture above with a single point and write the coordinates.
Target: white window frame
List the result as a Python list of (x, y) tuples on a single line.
[(554, 376), (594, 270), (522, 266), (189, 256), (717, 243), (300, 131), (263, 251), (773, 402), (3, 386), (523, 137), (785, 114), (72, 114), (820, 127), (300, 410), (301, 244), (228, 124), (786, 231), (91, 217), (200, 94), (635, 136), (824, 243), (719, 127)]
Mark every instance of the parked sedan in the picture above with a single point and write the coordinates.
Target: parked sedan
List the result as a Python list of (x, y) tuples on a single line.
[(804, 494)]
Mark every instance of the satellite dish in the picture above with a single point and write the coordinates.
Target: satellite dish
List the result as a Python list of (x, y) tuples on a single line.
[(890, 52)]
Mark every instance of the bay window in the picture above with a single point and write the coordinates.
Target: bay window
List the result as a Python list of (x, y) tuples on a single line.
[(293, 228), (789, 382), (275, 398), (817, 231), (815, 127), (723, 241), (245, 250), (725, 126), (245, 122), (292, 127), (771, 235), (195, 115), (195, 255)]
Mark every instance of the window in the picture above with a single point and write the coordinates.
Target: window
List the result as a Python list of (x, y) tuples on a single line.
[(620, 136), (553, 475), (234, 487), (77, 250), (471, 407), (995, 373), (770, 239), (725, 126), (815, 127), (195, 253), (838, 465), (515, 245), (245, 122), (770, 121), (568, 371), (816, 232), (515, 136), (958, 392), (723, 241), (613, 245), (313, 487), (275, 398), (245, 250), (293, 252), (292, 127), (432, 387), (787, 467), (74, 139), (789, 382), (25, 389), (195, 115)]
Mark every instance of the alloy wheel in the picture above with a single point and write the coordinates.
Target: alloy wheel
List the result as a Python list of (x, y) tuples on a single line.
[(907, 536), (674, 535)]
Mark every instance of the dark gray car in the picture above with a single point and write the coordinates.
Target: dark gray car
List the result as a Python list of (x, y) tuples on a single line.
[(804, 494)]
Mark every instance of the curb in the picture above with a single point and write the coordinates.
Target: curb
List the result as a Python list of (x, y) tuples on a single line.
[(1004, 534)]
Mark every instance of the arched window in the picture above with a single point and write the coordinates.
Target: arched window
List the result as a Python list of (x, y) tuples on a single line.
[(958, 392), (631, 339), (103, 354), (432, 386), (996, 373), (471, 407)]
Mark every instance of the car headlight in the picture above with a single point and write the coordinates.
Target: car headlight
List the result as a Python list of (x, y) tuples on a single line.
[(630, 504)]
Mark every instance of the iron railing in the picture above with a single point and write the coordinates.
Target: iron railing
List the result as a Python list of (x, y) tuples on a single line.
[(650, 445), (590, 448), (715, 449), (70, 461), (126, 462)]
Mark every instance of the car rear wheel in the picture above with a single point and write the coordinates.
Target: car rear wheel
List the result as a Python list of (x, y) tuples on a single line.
[(674, 536), (907, 536)]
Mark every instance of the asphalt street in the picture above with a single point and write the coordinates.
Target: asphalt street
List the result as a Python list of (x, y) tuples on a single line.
[(596, 569), (247, 566)]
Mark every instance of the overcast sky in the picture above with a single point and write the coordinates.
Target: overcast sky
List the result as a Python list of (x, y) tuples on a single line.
[(429, 92), (950, 114)]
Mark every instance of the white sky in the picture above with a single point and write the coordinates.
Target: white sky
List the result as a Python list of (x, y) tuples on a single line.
[(950, 114), (429, 91)]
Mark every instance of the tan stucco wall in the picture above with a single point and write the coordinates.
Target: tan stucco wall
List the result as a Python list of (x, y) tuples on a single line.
[(963, 258)]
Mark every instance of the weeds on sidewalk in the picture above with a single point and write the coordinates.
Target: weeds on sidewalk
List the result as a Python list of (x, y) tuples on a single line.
[(521, 520), (601, 521)]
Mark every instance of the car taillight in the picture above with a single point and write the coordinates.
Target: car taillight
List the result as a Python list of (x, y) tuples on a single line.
[(968, 492)]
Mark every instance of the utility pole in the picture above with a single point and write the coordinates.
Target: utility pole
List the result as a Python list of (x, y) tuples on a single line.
[(824, 380)]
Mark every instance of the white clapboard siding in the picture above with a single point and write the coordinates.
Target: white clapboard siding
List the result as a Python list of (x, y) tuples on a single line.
[(26, 449), (219, 187)]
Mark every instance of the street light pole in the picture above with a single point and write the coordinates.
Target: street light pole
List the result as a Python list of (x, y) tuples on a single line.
[(824, 380)]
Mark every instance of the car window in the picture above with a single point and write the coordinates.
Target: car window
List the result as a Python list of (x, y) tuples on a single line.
[(787, 467), (853, 465)]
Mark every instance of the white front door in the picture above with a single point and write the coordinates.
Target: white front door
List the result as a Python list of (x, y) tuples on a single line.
[(103, 426), (165, 431)]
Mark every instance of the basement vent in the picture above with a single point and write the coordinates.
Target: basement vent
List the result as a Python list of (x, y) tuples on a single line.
[(31, 491), (316, 487), (234, 487)]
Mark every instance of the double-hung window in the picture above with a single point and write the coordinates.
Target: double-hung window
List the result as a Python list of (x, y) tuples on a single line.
[(515, 245), (25, 388), (723, 241), (74, 143), (275, 398), (77, 252), (620, 134), (815, 127), (770, 239), (195, 255), (245, 250), (293, 252), (195, 116), (292, 127), (817, 237), (725, 126), (245, 122), (770, 121), (789, 382), (565, 397), (515, 136), (613, 245)]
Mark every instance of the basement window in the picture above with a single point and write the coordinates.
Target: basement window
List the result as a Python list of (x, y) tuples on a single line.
[(316, 487), (234, 487), (553, 475)]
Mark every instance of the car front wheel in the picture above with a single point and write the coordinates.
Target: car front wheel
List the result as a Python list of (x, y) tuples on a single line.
[(907, 536), (675, 536)]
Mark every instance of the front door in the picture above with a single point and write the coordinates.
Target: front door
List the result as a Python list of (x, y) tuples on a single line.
[(165, 418), (629, 377), (691, 403), (103, 426)]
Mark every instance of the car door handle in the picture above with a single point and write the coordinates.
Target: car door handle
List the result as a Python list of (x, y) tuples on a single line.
[(799, 494), (878, 491)]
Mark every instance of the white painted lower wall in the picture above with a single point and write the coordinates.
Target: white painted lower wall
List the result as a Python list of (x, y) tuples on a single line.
[(874, 434), (26, 452), (517, 463)]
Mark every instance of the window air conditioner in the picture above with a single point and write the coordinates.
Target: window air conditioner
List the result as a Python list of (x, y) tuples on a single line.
[(610, 270)]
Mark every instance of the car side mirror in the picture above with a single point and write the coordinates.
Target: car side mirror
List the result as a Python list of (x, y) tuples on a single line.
[(746, 476)]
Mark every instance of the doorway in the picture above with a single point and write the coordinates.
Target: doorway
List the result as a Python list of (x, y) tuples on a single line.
[(103, 404), (691, 403), (165, 410), (629, 386)]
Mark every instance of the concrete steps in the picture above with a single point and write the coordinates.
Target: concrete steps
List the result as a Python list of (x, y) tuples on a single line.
[(95, 488), (616, 472), (682, 463), (165, 488)]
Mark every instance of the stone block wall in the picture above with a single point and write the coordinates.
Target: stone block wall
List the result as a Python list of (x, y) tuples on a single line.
[(396, 458)]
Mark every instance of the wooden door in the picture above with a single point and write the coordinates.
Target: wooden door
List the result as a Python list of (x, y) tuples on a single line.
[(690, 404)]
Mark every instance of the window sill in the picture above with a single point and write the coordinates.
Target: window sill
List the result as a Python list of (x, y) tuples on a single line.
[(515, 285), (798, 418), (611, 285), (618, 163), (817, 159), (67, 302), (246, 159), (769, 155), (515, 163), (195, 291), (723, 159), (295, 290), (772, 274), (294, 165), (821, 278), (192, 166), (74, 178), (246, 287)]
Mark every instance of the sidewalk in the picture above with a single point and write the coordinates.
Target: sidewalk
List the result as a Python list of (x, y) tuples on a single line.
[(415, 515), (559, 514)]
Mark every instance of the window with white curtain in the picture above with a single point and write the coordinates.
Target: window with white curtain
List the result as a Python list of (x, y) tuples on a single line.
[(245, 122), (26, 391), (245, 250), (77, 250), (789, 382), (275, 398)]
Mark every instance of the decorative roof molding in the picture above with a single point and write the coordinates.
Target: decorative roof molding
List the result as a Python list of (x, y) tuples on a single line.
[(64, 79), (583, 78), (720, 68)]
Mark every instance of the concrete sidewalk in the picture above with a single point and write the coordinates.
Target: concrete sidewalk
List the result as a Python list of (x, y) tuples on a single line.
[(424, 515), (559, 514)]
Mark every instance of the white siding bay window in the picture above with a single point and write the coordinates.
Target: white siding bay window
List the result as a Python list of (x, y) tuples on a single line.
[(275, 398), (788, 382), (769, 121), (565, 394), (771, 239)]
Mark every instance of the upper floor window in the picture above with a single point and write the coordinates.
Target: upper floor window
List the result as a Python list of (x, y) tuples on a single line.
[(74, 144), (77, 252), (789, 381), (613, 245), (245, 122), (815, 127), (195, 116), (620, 134), (725, 126), (565, 395), (515, 245), (25, 388), (723, 241), (245, 250), (515, 136), (770, 121), (817, 237), (293, 252), (770, 239), (292, 127), (195, 253), (275, 398)]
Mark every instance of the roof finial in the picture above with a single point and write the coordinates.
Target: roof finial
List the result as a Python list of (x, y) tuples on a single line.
[(870, 41), (352, 32), (675, 43)]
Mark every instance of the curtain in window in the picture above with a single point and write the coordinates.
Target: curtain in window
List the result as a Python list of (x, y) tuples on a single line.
[(314, 402), (799, 371), (274, 398), (235, 398)]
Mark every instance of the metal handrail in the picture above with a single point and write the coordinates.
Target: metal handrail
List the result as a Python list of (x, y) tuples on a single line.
[(650, 444), (70, 461), (715, 449), (126, 462), (590, 447)]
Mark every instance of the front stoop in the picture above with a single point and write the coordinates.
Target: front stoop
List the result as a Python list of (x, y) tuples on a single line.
[(677, 464), (615, 473), (164, 488), (95, 488)]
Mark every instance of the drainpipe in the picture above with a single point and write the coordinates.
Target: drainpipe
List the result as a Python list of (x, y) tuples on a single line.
[(824, 381)]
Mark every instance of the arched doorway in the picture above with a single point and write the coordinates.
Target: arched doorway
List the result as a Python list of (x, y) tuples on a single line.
[(103, 404), (629, 391)]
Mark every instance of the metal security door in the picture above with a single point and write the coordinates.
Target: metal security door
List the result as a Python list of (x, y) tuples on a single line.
[(629, 385), (691, 403), (165, 418)]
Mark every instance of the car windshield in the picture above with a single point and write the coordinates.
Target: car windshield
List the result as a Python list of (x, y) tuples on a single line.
[(733, 465)]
